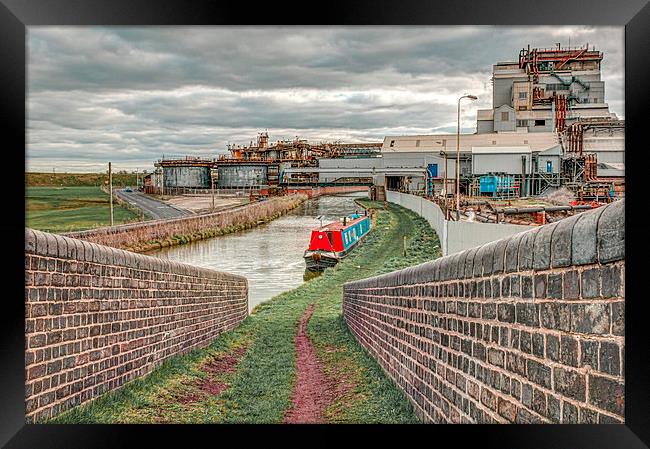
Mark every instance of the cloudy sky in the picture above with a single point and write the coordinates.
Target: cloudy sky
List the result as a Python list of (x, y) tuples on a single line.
[(133, 94)]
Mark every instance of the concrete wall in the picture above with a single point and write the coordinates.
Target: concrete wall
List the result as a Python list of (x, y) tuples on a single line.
[(97, 317), (484, 126), (528, 329), (504, 125), (454, 236)]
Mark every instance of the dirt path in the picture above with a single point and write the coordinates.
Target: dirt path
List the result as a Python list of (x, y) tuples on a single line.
[(313, 391)]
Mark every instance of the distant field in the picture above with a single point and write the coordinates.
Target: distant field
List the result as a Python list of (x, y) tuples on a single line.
[(61, 209), (79, 179)]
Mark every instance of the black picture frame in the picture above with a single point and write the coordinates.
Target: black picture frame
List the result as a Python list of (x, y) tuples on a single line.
[(16, 15)]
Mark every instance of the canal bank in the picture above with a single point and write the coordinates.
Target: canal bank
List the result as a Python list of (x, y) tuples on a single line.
[(251, 373), (149, 235), (269, 255)]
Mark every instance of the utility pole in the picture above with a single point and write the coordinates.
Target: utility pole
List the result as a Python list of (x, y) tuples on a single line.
[(162, 183), (457, 196), (110, 189), (212, 183)]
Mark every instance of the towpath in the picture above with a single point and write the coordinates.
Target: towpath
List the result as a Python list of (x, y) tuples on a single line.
[(292, 360)]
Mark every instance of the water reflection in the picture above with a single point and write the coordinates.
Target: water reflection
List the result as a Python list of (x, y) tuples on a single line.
[(311, 274), (270, 255)]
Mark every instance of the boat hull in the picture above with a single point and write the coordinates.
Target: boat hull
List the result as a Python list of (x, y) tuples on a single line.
[(333, 242), (317, 260)]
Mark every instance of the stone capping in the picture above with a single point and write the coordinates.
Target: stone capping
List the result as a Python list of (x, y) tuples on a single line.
[(526, 329), (53, 245), (594, 236)]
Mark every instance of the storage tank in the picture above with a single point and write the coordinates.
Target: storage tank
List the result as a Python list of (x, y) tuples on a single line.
[(242, 175), (187, 176)]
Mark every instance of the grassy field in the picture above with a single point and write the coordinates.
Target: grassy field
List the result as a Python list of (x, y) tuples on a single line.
[(79, 179), (61, 209), (257, 386)]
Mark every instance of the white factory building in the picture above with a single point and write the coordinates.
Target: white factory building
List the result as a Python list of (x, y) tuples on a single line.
[(511, 153)]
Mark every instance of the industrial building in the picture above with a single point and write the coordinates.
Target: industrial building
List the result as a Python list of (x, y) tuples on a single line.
[(545, 90), (261, 164), (558, 90), (531, 158), (549, 126)]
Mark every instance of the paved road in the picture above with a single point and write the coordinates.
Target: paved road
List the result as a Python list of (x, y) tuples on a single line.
[(154, 208)]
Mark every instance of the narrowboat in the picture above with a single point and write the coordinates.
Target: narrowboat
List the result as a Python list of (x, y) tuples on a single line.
[(334, 241)]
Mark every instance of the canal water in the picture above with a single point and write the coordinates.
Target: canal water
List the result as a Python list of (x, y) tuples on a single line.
[(269, 255)]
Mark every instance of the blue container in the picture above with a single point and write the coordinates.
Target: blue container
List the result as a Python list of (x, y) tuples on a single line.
[(488, 184), (497, 184)]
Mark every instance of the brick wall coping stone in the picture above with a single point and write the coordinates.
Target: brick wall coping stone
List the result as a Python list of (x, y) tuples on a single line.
[(590, 237)]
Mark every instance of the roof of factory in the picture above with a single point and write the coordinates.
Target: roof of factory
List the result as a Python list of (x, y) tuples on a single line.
[(538, 141)]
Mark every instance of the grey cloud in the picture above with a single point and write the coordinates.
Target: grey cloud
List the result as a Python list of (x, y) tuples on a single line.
[(132, 94)]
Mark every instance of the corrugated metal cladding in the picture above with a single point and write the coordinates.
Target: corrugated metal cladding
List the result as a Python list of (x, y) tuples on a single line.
[(242, 175), (499, 163), (194, 177)]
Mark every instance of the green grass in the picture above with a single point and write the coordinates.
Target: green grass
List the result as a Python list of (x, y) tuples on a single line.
[(62, 209), (261, 388)]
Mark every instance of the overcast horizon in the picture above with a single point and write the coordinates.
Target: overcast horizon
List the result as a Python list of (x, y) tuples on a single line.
[(133, 94)]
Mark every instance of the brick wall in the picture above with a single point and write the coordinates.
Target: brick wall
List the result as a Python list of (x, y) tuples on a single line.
[(134, 234), (97, 317), (525, 329)]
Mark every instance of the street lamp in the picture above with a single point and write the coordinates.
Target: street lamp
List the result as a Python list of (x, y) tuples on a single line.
[(471, 97)]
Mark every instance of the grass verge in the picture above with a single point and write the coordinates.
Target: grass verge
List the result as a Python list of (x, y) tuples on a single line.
[(64, 209), (260, 389)]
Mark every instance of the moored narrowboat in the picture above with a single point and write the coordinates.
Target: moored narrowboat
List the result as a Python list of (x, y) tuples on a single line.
[(334, 241)]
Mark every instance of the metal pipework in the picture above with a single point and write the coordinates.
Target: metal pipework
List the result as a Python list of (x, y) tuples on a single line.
[(527, 210)]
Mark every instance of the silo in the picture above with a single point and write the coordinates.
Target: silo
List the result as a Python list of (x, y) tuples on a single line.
[(242, 175), (187, 176)]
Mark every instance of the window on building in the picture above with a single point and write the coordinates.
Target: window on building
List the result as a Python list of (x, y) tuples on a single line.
[(494, 142), (525, 142), (549, 166), (417, 143), (540, 122), (505, 116), (522, 123), (392, 143), (523, 95)]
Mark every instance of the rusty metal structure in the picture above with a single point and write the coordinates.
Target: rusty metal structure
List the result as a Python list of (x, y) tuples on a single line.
[(558, 63), (580, 167), (258, 164), (574, 135), (538, 60), (298, 151)]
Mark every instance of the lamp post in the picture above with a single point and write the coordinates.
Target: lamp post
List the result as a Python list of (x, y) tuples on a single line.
[(471, 97)]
